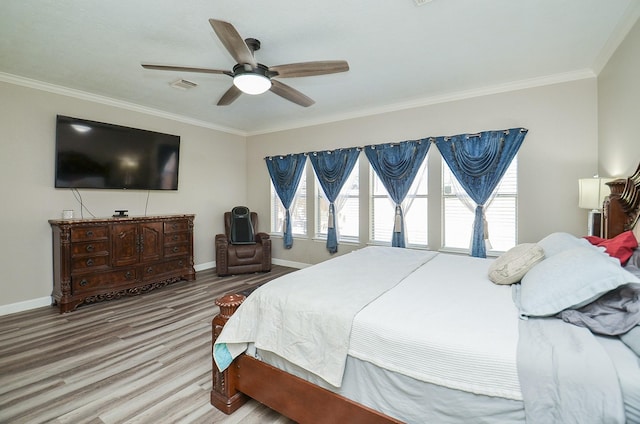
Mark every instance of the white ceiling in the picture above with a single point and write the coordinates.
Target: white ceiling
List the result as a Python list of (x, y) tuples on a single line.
[(400, 54)]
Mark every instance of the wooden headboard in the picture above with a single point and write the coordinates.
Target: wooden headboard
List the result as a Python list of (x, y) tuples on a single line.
[(621, 208)]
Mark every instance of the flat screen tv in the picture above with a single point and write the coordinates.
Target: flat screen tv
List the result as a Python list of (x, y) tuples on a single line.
[(93, 154)]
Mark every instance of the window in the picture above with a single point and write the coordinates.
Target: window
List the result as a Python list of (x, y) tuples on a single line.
[(383, 210), (298, 209), (501, 214), (347, 208)]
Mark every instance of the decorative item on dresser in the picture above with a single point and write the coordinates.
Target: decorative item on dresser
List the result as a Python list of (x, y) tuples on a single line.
[(104, 259)]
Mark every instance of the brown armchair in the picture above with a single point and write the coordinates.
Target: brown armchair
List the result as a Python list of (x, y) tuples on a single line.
[(241, 249)]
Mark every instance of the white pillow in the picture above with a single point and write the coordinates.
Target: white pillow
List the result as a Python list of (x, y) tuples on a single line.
[(569, 279), (512, 265), (555, 243)]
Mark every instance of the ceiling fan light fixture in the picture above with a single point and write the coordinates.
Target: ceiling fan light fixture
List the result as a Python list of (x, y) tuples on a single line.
[(251, 77), (251, 83)]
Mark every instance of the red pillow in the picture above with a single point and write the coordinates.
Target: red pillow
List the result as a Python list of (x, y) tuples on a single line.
[(621, 246)]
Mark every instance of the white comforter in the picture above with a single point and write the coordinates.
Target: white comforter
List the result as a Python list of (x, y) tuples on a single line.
[(445, 324), (434, 317), (305, 317)]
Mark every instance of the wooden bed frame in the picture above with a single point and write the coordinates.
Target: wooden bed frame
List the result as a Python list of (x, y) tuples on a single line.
[(291, 396), (305, 402), (621, 208)]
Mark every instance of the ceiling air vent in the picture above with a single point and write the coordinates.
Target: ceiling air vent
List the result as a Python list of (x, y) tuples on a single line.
[(183, 84), (421, 2)]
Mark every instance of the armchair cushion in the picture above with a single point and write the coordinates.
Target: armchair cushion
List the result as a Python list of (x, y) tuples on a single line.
[(241, 226)]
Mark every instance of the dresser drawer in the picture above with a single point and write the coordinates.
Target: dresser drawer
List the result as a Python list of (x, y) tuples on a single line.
[(90, 248), (177, 250), (87, 263), (89, 233), (103, 281), (176, 238), (176, 226), (166, 269)]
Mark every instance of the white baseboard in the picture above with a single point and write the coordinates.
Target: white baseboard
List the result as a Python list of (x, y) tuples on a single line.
[(206, 265), (12, 308), (290, 264)]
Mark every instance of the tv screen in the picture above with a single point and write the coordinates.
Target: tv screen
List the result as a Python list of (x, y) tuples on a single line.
[(93, 154)]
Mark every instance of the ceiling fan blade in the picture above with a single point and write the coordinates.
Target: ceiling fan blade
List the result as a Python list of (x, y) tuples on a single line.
[(229, 96), (307, 69), (186, 69), (290, 94), (233, 42)]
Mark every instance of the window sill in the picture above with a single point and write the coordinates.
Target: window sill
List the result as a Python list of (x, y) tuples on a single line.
[(388, 244), (457, 251), (295, 236), (340, 242)]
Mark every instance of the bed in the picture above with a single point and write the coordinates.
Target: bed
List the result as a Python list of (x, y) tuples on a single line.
[(388, 335)]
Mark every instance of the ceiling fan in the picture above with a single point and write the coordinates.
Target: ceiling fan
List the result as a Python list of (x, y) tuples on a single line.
[(251, 77)]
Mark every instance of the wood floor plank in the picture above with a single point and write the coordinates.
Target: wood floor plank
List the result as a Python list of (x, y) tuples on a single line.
[(142, 359)]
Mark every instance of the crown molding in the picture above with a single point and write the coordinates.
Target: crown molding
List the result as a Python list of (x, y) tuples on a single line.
[(443, 98), (82, 95), (361, 113)]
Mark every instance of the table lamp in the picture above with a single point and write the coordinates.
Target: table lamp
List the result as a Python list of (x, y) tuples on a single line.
[(591, 194)]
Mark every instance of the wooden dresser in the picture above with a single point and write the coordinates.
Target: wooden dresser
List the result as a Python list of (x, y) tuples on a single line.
[(104, 259)]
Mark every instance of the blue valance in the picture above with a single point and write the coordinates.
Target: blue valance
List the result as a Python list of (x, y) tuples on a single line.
[(478, 161), (397, 164), (332, 168), (285, 172)]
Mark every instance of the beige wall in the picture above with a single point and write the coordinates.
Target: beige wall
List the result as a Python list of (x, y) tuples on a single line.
[(27, 122), (619, 109), (560, 148)]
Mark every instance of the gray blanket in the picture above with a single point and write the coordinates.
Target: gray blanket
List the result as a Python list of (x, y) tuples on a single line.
[(565, 375), (616, 313), (612, 314)]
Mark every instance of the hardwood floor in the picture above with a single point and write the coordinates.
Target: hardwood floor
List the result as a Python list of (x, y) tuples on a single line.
[(142, 359)]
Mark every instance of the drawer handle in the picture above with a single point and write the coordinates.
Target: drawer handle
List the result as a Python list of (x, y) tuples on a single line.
[(175, 238), (149, 270), (174, 226), (181, 263), (89, 233), (128, 275), (175, 249), (90, 248), (84, 283), (89, 262)]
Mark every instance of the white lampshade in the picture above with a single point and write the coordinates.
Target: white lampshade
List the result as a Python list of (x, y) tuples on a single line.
[(252, 83), (592, 192)]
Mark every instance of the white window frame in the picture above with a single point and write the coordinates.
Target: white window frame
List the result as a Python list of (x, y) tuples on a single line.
[(419, 190), (322, 206), (506, 229)]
